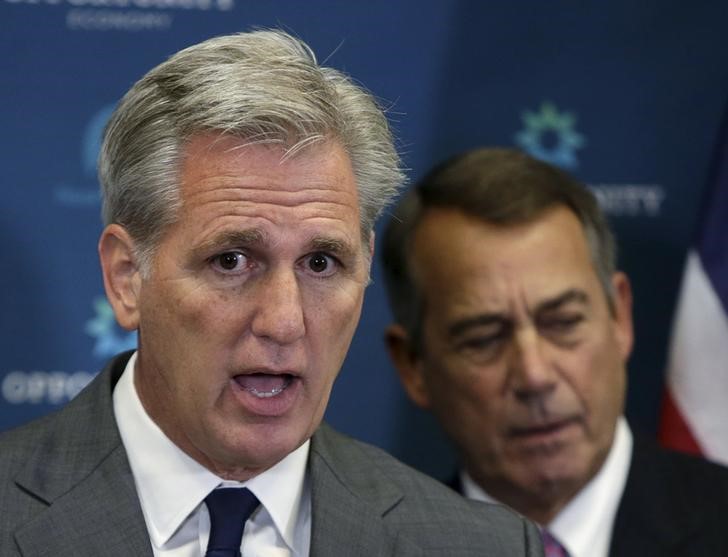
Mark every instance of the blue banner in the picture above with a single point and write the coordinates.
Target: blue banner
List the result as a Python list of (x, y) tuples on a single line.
[(625, 95)]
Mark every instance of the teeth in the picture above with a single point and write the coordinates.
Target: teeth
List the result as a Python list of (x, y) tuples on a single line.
[(268, 394)]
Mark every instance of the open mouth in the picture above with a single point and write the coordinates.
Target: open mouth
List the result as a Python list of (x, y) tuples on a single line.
[(264, 385)]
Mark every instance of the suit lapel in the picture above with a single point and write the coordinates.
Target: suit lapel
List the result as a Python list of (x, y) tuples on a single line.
[(647, 522), (347, 508), (98, 516), (80, 471), (343, 525)]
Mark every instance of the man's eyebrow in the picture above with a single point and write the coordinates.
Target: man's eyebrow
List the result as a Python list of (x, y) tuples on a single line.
[(486, 319), (333, 245), (571, 295), (483, 320), (232, 238)]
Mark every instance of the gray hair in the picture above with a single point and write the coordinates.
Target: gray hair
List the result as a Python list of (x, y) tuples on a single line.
[(263, 86), (500, 186)]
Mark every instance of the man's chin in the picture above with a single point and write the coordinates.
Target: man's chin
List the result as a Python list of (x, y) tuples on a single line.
[(244, 452), (552, 478)]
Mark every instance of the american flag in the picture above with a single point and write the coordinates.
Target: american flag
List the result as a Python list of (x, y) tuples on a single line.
[(695, 406)]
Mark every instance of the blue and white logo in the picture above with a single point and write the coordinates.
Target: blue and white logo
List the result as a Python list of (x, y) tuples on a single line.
[(86, 193), (110, 338), (550, 135)]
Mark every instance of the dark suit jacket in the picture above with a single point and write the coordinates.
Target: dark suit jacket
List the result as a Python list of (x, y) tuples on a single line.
[(673, 505), (66, 489)]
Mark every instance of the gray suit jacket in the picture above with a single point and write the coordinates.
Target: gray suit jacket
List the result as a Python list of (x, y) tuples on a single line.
[(66, 489)]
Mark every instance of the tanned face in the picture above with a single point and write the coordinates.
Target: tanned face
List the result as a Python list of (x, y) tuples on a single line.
[(521, 359)]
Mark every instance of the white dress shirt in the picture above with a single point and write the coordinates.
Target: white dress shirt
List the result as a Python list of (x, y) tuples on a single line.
[(584, 526), (172, 488)]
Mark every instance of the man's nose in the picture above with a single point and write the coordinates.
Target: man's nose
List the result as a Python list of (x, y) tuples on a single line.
[(279, 314), (531, 374)]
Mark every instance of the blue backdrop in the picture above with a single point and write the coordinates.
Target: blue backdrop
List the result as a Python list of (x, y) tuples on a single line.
[(626, 95)]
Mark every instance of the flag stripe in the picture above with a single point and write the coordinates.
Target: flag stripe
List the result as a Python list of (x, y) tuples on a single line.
[(711, 241), (695, 408), (697, 380), (674, 431)]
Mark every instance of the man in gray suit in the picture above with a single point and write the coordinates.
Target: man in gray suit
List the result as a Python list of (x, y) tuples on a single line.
[(241, 182)]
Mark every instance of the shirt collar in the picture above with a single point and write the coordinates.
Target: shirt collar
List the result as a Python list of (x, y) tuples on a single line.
[(281, 491), (171, 485), (584, 526)]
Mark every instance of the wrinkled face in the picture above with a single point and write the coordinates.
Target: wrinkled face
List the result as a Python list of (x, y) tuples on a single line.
[(252, 302), (521, 359)]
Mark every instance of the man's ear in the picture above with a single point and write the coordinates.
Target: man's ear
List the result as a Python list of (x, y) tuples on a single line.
[(408, 364), (623, 313), (122, 276)]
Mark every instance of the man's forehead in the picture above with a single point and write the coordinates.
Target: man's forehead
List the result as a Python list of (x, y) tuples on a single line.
[(466, 263), (234, 193), (321, 170), (555, 216), (448, 240)]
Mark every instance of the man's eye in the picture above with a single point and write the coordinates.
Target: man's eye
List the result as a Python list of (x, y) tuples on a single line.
[(562, 324), (320, 263), (480, 350), (230, 260), (480, 343)]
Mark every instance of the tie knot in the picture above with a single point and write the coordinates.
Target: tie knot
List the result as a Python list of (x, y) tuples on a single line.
[(229, 509), (551, 546)]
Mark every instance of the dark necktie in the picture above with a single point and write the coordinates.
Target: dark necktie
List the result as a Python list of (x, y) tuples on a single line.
[(229, 509), (551, 546)]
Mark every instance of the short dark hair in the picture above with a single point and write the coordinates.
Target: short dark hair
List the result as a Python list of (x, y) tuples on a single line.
[(500, 186)]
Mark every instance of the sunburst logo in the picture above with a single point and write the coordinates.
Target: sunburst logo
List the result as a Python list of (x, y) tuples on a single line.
[(110, 339), (550, 135)]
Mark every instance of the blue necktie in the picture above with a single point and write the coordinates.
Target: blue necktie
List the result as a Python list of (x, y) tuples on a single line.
[(229, 509)]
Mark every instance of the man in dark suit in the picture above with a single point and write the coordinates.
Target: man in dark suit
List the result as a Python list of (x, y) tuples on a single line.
[(513, 326), (241, 182)]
